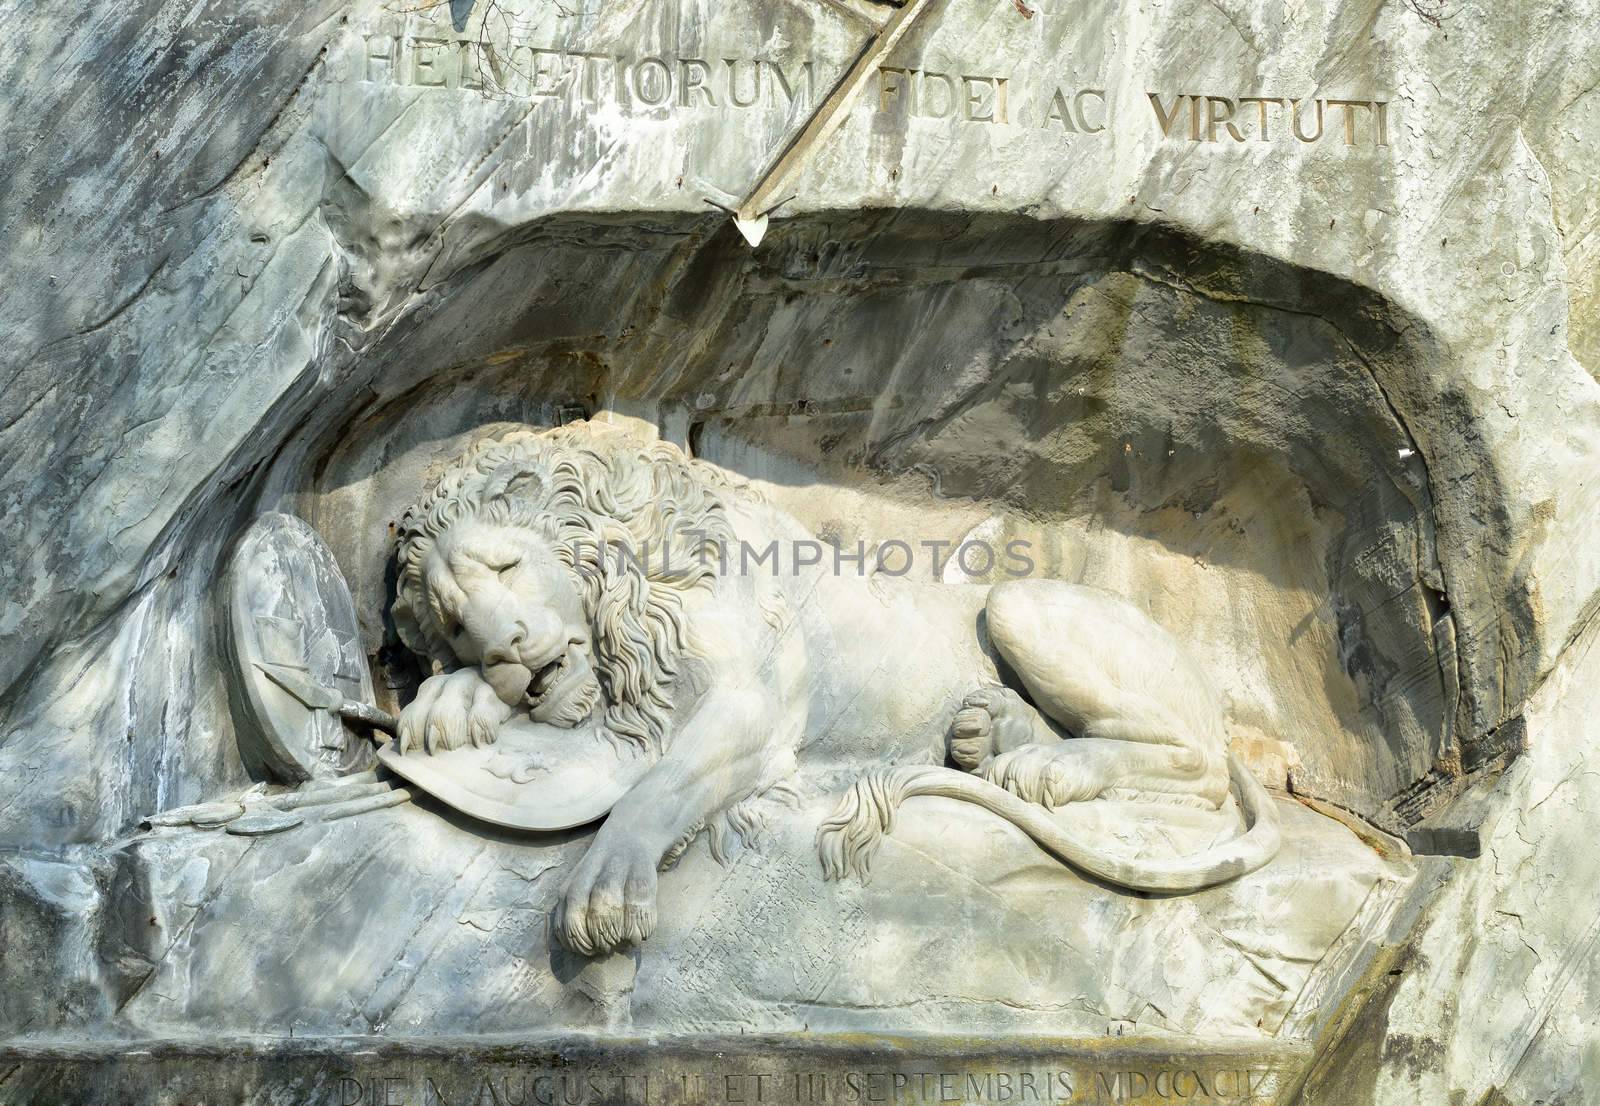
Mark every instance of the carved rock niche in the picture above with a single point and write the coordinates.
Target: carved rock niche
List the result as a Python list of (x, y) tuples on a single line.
[(1209, 434)]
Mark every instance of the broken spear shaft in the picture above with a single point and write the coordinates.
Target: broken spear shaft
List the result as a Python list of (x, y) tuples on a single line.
[(317, 697), (751, 218)]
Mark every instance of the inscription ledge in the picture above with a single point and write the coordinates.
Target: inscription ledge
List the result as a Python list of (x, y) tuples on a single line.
[(630, 1070)]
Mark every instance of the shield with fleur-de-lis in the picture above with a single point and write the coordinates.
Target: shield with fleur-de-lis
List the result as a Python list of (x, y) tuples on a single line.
[(290, 611)]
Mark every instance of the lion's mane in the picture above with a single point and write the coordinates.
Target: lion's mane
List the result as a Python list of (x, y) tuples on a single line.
[(632, 522)]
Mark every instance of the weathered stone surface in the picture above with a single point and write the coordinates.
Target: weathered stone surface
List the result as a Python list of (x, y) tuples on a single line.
[(405, 922), (353, 220), (1326, 408), (1517, 924)]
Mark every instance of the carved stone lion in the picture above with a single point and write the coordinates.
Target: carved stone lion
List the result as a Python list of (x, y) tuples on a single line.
[(581, 574)]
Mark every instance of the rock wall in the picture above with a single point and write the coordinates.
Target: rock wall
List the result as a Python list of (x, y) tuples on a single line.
[(1075, 273)]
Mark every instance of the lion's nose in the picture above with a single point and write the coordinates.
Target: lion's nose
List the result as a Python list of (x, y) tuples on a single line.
[(508, 650)]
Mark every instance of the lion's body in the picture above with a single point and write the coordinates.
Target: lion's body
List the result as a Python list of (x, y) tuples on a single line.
[(727, 674)]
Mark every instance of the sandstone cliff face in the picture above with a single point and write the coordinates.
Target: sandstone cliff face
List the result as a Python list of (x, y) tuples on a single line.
[(1284, 317)]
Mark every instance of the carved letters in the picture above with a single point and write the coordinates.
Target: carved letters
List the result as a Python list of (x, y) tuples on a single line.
[(1076, 1083), (929, 95), (1270, 118), (529, 71), (522, 70)]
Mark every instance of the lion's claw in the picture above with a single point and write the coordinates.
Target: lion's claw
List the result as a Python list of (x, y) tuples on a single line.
[(610, 901), (449, 711)]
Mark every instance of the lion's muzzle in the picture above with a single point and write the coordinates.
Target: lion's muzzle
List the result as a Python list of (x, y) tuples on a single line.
[(510, 681)]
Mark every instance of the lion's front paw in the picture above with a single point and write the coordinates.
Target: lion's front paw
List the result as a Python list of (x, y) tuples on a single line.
[(610, 901), (991, 720), (1046, 774), (450, 711)]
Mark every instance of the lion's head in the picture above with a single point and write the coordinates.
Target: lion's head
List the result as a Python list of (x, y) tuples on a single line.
[(557, 562)]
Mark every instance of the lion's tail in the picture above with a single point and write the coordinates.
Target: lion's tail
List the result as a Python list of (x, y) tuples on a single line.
[(849, 837)]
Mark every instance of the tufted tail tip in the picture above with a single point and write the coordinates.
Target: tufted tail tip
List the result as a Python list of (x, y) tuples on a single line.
[(849, 837)]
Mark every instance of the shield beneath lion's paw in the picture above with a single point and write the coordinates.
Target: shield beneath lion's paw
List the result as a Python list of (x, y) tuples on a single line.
[(534, 777)]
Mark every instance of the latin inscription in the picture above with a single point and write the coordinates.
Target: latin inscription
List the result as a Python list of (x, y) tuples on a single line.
[(529, 71), (1239, 119), (520, 70), (1195, 117), (1202, 1084)]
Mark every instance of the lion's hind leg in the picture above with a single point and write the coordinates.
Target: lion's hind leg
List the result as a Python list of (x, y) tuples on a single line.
[(1107, 763), (1157, 760)]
